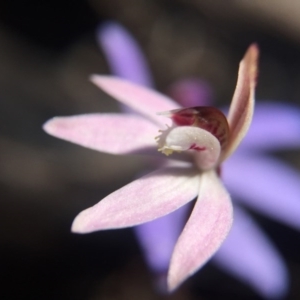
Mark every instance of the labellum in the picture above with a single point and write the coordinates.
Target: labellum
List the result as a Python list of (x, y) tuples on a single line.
[(201, 129), (206, 117)]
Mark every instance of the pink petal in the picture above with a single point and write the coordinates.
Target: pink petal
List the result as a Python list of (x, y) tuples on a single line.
[(204, 232), (142, 200), (249, 255), (123, 53), (141, 99), (112, 133), (242, 105)]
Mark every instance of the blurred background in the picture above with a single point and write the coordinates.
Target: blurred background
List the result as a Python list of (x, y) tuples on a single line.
[(48, 49)]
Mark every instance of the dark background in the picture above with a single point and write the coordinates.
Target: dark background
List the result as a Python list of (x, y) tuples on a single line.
[(47, 51)]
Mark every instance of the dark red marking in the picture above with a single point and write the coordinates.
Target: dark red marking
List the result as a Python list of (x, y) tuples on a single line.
[(184, 119), (205, 117), (214, 130), (197, 148)]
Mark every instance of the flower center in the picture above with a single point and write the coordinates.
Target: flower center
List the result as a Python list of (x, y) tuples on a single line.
[(203, 130)]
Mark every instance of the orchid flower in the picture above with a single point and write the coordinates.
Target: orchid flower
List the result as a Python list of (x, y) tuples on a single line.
[(202, 137), (257, 262)]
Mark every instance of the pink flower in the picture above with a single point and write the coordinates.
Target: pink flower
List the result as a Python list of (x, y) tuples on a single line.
[(203, 141)]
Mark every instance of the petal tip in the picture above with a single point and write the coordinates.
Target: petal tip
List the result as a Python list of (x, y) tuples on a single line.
[(174, 282), (80, 224), (107, 83), (252, 52), (58, 127), (107, 28), (50, 125), (253, 49), (97, 79), (172, 285), (251, 59)]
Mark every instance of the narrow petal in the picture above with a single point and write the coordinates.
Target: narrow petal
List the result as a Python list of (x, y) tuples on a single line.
[(111, 133), (123, 53), (275, 125), (250, 256), (159, 236), (142, 200), (204, 232), (242, 105), (143, 100), (265, 185)]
